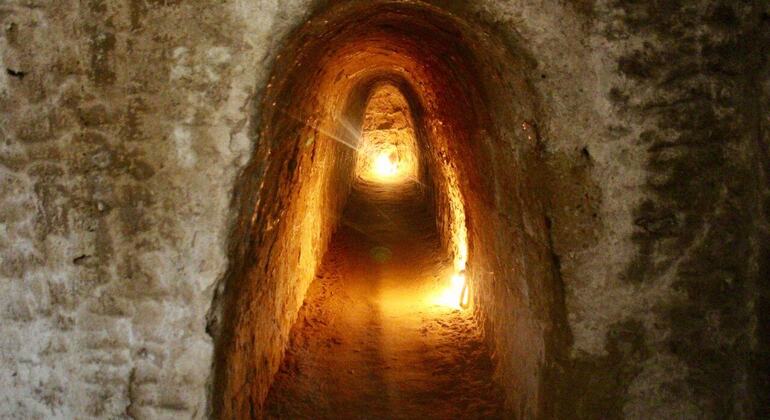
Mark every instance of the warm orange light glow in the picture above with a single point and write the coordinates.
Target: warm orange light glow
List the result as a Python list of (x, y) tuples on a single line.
[(456, 294), (461, 246), (458, 280), (459, 232), (385, 165), (387, 149)]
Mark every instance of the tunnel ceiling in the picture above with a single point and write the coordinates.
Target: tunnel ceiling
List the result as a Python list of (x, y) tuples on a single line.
[(160, 215)]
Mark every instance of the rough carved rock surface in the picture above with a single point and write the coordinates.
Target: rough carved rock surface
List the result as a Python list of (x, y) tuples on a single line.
[(132, 134)]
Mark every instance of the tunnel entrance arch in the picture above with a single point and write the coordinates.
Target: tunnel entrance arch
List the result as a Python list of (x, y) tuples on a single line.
[(467, 88)]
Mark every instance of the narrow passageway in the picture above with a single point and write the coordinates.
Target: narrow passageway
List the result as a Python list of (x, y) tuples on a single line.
[(391, 225), (372, 339)]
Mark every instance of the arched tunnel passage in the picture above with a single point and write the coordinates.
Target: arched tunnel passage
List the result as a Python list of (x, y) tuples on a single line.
[(470, 155), (387, 151), (379, 333)]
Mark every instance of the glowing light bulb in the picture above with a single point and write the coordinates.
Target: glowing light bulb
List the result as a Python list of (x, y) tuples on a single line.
[(456, 294), (384, 165)]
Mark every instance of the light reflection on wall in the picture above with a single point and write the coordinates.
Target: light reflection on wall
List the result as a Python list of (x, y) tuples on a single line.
[(455, 291)]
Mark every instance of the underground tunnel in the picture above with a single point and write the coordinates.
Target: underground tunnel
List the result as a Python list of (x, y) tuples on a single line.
[(242, 209), (395, 191)]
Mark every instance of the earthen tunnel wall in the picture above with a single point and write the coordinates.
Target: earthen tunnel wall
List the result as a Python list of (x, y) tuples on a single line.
[(125, 126)]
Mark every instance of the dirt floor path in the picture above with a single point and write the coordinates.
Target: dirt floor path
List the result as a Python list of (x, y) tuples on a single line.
[(370, 341)]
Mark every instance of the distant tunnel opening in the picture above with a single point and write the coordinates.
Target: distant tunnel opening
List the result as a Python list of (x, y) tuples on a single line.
[(387, 150), (387, 129)]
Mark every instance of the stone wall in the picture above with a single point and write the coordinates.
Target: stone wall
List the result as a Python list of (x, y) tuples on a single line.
[(124, 125), (668, 332)]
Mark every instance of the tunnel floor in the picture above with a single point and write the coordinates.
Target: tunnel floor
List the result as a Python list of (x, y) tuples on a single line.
[(370, 340)]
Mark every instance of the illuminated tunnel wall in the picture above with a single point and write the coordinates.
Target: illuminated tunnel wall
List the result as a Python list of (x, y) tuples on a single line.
[(472, 112), (387, 151)]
